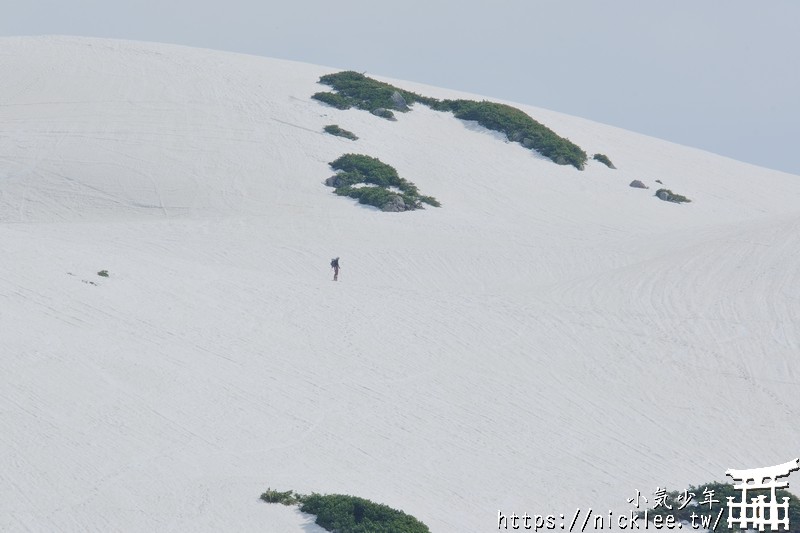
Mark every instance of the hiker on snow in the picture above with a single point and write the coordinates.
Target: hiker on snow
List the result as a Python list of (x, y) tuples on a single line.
[(335, 267)]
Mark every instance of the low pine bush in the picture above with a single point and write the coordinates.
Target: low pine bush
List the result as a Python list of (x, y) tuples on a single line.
[(349, 514), (353, 89), (369, 94), (286, 498), (334, 129), (519, 127), (379, 179), (669, 196), (332, 99), (603, 159)]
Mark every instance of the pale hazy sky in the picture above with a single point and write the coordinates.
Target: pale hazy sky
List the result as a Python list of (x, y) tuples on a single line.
[(721, 75)]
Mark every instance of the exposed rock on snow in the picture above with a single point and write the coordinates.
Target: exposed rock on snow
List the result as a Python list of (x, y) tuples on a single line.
[(384, 113), (395, 205), (399, 102), (664, 195)]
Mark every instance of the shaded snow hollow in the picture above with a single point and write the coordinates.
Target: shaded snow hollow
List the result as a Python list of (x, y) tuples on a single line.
[(548, 339)]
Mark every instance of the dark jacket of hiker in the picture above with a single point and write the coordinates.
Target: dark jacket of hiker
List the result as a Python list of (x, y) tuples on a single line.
[(335, 267)]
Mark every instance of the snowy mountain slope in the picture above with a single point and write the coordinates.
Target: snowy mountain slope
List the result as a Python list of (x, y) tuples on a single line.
[(548, 339)]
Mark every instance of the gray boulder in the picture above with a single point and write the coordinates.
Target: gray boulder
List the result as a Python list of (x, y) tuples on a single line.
[(333, 181), (664, 195), (395, 205), (638, 185), (527, 142), (399, 102)]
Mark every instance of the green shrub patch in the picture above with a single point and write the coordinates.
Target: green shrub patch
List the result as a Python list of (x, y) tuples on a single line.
[(349, 514), (603, 159), (353, 89), (380, 185), (669, 196), (333, 129)]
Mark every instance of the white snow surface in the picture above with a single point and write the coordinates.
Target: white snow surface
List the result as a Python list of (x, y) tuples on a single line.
[(548, 339)]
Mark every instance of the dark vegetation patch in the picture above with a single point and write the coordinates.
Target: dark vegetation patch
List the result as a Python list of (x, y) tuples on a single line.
[(377, 180), (353, 89), (333, 99), (603, 159), (669, 196), (365, 93), (519, 127), (349, 514), (333, 129)]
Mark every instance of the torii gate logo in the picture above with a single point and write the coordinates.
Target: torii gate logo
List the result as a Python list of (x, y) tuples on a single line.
[(758, 512)]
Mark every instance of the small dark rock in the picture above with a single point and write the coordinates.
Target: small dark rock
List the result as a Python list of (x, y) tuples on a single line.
[(638, 185)]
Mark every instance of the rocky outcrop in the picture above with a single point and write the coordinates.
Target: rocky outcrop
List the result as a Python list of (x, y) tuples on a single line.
[(636, 184), (395, 205), (399, 102)]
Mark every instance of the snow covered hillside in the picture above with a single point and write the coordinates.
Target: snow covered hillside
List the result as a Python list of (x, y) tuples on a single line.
[(548, 339)]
